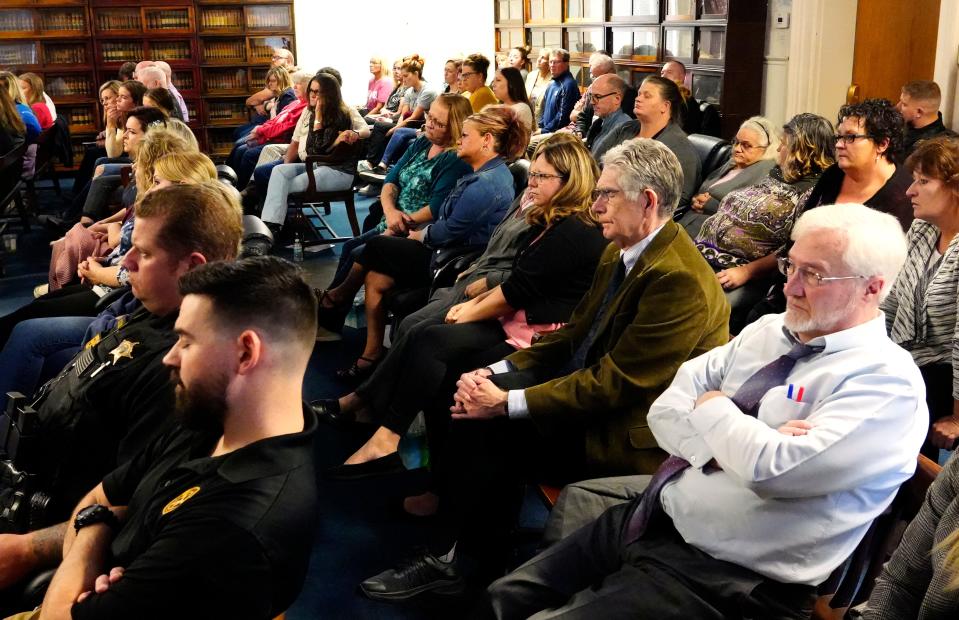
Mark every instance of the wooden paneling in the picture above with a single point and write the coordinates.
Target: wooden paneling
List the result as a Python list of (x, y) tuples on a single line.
[(895, 43)]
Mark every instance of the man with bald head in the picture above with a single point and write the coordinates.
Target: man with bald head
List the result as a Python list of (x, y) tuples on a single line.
[(606, 98), (168, 72), (143, 64), (675, 71)]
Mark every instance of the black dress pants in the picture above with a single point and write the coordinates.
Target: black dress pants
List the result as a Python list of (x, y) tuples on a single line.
[(591, 574), (482, 485)]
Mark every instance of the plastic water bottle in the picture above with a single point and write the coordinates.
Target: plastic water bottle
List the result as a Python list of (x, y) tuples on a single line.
[(297, 249)]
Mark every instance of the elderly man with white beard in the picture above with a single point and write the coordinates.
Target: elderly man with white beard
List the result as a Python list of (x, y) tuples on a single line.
[(785, 444)]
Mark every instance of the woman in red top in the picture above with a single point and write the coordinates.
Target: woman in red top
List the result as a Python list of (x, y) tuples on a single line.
[(31, 88)]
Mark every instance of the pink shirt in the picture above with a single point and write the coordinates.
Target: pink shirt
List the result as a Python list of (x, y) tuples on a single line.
[(378, 91)]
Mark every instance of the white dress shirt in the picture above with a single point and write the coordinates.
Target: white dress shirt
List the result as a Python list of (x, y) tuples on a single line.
[(516, 399), (791, 508)]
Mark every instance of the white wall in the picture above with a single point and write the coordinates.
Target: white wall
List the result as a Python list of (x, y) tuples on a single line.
[(776, 64), (345, 33), (947, 49)]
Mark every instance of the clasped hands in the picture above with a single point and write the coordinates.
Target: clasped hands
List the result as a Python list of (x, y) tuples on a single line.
[(478, 398)]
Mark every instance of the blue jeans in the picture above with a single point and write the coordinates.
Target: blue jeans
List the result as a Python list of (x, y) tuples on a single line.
[(399, 142), (36, 350), (243, 160), (348, 253), (261, 177)]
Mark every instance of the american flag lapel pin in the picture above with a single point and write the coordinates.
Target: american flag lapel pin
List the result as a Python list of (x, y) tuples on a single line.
[(795, 393)]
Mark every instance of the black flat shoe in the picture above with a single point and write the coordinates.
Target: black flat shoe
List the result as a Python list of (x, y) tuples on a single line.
[(383, 466), (357, 373), (328, 411)]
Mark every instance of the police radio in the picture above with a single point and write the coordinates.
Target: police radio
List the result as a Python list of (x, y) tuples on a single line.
[(23, 505)]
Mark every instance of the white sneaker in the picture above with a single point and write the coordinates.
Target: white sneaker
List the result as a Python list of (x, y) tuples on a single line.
[(363, 166), (369, 190)]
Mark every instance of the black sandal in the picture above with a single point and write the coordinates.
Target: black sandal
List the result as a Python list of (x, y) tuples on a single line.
[(356, 372)]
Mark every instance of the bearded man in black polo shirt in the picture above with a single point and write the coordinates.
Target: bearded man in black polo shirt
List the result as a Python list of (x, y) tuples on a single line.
[(214, 518)]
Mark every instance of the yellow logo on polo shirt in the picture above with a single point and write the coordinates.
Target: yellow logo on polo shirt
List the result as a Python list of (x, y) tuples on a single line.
[(178, 501)]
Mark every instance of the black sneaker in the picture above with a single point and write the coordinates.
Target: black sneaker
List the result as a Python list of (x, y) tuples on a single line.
[(425, 573)]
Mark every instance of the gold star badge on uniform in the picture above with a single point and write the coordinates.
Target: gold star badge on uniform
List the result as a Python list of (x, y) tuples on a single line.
[(124, 349)]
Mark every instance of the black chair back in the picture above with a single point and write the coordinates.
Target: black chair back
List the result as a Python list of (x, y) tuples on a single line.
[(713, 152), (520, 171)]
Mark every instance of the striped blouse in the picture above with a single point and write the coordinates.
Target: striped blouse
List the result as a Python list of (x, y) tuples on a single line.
[(921, 308)]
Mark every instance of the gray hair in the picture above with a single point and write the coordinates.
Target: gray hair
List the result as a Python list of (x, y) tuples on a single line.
[(154, 72), (602, 62), (558, 52), (647, 164), (765, 129), (165, 67), (301, 77), (874, 244)]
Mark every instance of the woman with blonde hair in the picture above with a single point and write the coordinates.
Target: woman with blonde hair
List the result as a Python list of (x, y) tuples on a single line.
[(379, 89), (31, 89), (467, 217), (537, 80), (278, 81), (8, 82), (550, 274), (178, 168), (13, 131)]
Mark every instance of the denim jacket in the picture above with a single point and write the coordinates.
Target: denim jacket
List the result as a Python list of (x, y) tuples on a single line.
[(473, 209)]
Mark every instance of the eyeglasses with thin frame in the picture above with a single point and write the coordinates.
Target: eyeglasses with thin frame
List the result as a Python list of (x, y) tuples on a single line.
[(466, 74), (849, 138), (593, 97), (747, 145), (314, 91), (809, 277), (542, 176), (432, 119), (604, 194)]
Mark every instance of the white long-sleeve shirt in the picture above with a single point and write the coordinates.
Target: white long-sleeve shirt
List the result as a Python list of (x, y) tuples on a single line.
[(791, 508)]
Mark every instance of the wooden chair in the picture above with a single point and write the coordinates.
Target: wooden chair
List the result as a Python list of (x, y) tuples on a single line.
[(307, 204)]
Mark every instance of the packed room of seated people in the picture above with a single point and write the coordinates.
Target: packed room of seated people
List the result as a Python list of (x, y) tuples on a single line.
[(736, 370)]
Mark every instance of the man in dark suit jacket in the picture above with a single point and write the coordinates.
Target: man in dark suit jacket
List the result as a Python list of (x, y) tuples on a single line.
[(575, 403)]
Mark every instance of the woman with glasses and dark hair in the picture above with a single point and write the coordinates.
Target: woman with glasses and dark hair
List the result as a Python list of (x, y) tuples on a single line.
[(561, 249), (921, 310), (753, 156), (869, 139), (750, 224), (659, 115), (508, 88)]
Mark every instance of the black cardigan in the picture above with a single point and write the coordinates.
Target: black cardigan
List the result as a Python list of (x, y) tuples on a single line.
[(891, 197), (550, 275)]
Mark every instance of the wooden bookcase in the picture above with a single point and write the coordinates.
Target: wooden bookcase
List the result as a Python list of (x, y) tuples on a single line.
[(720, 42), (219, 51)]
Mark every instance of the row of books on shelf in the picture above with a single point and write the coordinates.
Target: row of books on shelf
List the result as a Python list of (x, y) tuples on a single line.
[(225, 50), (168, 20), (221, 18)]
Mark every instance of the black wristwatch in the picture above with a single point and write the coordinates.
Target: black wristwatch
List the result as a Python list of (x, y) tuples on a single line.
[(97, 513)]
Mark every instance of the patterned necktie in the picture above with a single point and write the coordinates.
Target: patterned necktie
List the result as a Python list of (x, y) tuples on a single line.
[(747, 398), (579, 358)]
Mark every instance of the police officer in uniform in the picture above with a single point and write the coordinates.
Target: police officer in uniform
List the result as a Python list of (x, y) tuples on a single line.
[(115, 396), (214, 519)]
